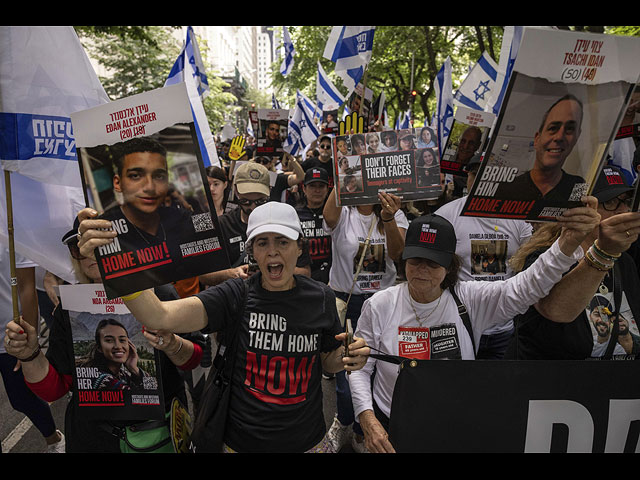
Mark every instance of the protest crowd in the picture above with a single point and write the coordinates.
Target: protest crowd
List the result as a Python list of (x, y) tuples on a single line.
[(321, 291)]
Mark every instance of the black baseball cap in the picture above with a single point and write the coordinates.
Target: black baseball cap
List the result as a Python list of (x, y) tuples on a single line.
[(431, 237), (316, 174), (71, 235), (610, 184)]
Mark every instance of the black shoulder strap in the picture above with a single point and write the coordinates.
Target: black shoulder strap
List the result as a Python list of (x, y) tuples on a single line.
[(617, 300), (464, 315)]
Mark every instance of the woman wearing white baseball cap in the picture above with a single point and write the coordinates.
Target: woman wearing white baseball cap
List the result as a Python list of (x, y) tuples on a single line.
[(286, 330)]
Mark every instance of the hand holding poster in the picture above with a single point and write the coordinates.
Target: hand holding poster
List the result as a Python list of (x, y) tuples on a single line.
[(142, 170), (117, 373), (564, 102), (389, 161)]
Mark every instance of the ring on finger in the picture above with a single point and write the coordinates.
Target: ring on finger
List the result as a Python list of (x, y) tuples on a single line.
[(627, 232), (160, 341)]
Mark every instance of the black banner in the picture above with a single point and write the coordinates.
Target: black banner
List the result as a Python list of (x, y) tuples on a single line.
[(489, 406)]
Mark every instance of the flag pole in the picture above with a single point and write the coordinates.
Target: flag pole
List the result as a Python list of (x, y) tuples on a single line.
[(12, 254)]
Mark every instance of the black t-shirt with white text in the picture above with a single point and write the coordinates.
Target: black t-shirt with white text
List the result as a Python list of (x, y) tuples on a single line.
[(276, 396)]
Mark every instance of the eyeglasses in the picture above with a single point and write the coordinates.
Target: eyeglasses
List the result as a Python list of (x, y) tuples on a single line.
[(245, 202), (614, 203), (263, 160)]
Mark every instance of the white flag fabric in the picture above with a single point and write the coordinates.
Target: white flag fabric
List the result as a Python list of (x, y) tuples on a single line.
[(301, 131), (289, 52), (40, 88), (478, 86), (314, 109), (508, 53), (443, 117), (404, 120), (350, 47), (189, 68), (328, 97)]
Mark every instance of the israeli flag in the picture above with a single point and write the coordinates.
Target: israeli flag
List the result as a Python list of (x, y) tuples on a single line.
[(350, 49), (189, 68), (316, 112), (443, 116), (302, 131), (289, 52), (328, 96), (275, 104), (39, 90), (404, 121), (508, 53), (479, 84)]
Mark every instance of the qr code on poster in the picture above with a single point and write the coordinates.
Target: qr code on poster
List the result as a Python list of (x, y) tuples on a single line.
[(579, 191), (202, 222)]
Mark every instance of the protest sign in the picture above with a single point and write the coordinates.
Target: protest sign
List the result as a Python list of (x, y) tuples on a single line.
[(562, 406), (117, 372), (272, 131), (469, 132), (388, 161), (142, 169), (562, 108)]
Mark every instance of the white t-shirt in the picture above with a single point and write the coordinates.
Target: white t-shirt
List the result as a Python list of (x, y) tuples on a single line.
[(485, 245), (388, 322), (348, 238), (6, 299)]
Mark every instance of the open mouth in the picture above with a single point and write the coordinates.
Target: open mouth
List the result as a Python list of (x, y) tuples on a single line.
[(275, 270)]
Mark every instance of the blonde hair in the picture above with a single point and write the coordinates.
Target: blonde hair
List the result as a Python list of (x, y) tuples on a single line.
[(543, 238)]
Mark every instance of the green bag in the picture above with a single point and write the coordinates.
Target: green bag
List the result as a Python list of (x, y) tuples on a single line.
[(153, 436)]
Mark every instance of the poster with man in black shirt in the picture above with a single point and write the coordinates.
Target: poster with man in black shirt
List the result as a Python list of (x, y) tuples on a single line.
[(564, 102), (142, 169)]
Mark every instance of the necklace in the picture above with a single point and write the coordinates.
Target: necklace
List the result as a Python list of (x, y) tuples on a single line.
[(415, 311)]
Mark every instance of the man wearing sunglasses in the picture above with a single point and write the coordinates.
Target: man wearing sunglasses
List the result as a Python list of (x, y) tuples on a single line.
[(324, 160)]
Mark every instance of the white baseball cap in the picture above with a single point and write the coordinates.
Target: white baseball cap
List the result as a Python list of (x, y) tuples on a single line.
[(274, 217)]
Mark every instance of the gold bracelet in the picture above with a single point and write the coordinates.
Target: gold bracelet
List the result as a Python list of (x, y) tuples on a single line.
[(132, 296), (588, 258), (603, 254)]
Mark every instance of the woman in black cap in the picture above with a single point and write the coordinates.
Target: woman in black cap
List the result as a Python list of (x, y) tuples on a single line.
[(420, 319)]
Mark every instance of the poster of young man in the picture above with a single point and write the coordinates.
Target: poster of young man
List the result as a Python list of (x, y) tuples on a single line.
[(389, 161), (563, 106), (142, 169), (272, 131), (469, 133), (117, 374)]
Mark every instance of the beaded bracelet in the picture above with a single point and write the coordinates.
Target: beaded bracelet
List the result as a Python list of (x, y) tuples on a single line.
[(603, 254), (592, 262)]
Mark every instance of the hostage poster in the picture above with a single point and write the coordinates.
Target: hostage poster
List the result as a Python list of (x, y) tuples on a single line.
[(392, 161), (562, 109), (469, 132), (272, 130), (142, 169), (117, 372)]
